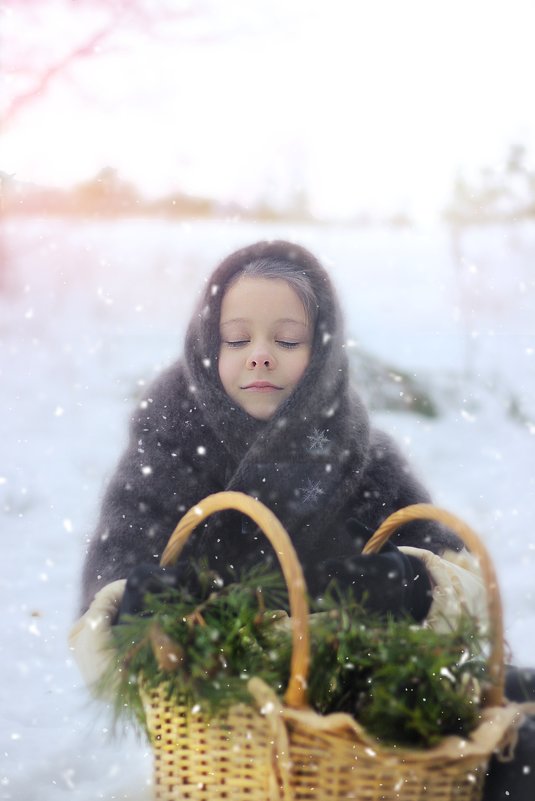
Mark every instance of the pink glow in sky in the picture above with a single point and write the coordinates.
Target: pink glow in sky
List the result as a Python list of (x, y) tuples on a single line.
[(364, 104)]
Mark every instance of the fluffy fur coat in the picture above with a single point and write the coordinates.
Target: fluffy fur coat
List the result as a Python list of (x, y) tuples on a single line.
[(316, 463)]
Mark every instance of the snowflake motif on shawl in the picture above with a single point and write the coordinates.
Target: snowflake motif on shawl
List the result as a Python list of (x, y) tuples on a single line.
[(311, 491), (318, 441)]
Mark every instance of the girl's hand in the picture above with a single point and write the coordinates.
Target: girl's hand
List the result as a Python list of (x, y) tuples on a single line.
[(387, 582), (148, 578)]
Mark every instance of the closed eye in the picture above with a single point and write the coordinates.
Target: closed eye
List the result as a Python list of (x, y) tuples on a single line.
[(236, 343), (286, 344)]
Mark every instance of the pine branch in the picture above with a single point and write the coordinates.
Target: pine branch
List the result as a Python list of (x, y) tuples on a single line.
[(406, 684)]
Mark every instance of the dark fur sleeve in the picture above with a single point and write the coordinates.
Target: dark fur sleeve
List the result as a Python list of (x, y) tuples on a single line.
[(389, 485), (151, 488)]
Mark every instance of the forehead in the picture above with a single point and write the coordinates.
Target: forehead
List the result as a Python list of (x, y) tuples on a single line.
[(251, 298)]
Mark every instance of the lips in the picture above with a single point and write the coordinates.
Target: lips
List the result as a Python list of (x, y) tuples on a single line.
[(261, 386)]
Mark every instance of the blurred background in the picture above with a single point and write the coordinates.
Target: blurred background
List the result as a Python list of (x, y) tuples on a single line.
[(141, 142), (343, 111)]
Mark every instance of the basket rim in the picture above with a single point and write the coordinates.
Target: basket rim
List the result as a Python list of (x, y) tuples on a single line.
[(266, 520), (296, 695), (426, 511)]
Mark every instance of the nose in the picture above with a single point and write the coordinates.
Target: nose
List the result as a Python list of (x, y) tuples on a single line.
[(261, 358)]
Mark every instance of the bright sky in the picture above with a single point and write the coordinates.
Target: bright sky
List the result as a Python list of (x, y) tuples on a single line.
[(372, 104)]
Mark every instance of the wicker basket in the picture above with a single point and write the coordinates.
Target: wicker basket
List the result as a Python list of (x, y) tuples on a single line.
[(238, 755), (332, 756), (273, 751)]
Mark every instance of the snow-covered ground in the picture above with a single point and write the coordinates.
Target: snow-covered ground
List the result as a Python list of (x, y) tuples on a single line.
[(91, 310)]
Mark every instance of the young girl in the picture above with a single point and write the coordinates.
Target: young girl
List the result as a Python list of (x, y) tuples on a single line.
[(262, 403)]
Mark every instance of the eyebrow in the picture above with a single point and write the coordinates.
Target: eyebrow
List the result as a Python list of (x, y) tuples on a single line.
[(280, 320)]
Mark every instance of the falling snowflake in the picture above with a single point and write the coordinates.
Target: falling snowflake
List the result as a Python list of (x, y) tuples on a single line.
[(318, 440), (311, 491)]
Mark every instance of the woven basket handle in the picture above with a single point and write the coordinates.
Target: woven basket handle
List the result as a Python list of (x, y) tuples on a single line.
[(293, 574), (425, 511)]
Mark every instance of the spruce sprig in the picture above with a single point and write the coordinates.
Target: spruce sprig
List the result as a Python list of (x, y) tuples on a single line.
[(405, 684), (203, 648)]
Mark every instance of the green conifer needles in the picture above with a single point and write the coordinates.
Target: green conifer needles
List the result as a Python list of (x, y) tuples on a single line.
[(406, 684), (205, 649)]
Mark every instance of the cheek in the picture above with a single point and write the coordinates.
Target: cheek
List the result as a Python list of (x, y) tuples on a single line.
[(225, 368), (221, 368), (301, 366)]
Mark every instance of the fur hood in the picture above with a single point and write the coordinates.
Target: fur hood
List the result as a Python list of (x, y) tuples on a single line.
[(316, 462)]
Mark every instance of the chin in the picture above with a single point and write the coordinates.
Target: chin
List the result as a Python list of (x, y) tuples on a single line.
[(263, 413)]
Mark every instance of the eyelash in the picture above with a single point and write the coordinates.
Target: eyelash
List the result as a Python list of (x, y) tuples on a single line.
[(238, 343)]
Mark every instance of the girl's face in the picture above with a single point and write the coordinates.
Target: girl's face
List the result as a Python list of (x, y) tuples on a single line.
[(265, 344)]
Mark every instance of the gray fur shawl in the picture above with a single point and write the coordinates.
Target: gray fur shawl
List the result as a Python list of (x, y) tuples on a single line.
[(316, 463)]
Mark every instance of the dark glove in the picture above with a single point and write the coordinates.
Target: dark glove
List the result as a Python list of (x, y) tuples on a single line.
[(514, 778), (387, 582), (148, 578), (519, 684)]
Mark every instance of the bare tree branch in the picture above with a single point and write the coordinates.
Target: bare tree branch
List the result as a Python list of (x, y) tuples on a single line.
[(166, 22), (127, 15), (42, 81)]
